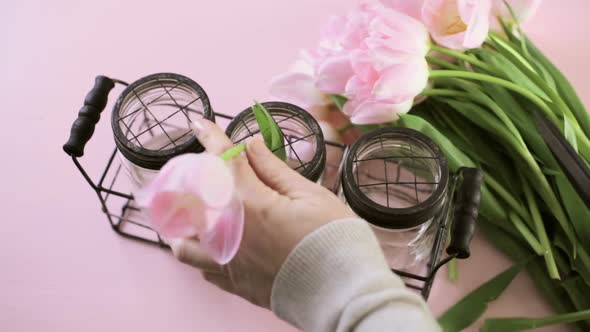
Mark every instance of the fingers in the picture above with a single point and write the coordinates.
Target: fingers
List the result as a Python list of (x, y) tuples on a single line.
[(271, 170), (216, 142), (190, 252), (211, 136)]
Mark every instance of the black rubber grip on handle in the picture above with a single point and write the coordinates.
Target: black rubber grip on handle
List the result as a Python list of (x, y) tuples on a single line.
[(466, 211), (88, 116)]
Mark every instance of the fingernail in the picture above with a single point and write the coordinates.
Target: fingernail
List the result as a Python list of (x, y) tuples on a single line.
[(198, 126)]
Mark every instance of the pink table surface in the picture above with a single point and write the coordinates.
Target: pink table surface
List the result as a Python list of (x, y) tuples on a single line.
[(61, 267)]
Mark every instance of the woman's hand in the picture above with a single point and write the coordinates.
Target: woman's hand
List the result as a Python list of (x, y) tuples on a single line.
[(281, 206)]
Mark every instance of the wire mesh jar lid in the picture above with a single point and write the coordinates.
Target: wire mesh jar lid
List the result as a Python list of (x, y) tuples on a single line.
[(395, 178), (304, 140), (152, 116)]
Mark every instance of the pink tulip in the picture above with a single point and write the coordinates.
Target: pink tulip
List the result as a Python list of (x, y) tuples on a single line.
[(409, 7), (457, 24), (389, 68), (297, 86), (523, 9), (194, 195), (333, 73), (340, 36), (375, 56)]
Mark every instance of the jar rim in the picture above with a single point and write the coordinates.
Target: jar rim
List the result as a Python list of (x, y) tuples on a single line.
[(387, 217), (318, 162), (156, 159)]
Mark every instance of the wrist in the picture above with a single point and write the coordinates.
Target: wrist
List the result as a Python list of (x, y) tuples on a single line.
[(322, 272)]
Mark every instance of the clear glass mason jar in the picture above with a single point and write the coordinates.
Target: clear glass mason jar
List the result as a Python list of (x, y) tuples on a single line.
[(397, 180), (304, 141), (151, 122)]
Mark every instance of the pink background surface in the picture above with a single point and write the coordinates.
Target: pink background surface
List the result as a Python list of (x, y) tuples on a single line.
[(61, 267)]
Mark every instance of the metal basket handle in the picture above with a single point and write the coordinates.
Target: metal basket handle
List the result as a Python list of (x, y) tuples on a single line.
[(88, 116), (466, 211)]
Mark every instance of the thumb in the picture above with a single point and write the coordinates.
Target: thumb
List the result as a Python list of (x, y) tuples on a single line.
[(272, 171)]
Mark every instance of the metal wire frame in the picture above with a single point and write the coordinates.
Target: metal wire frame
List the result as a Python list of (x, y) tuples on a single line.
[(391, 185), (435, 263), (105, 190), (128, 119), (289, 138)]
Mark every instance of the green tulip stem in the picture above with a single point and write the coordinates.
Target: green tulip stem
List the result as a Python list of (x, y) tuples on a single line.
[(234, 151), (565, 318), (519, 147), (542, 233), (498, 81), (462, 56), (527, 234), (442, 63), (493, 106), (583, 141)]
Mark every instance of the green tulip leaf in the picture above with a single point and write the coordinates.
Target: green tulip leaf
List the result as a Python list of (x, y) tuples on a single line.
[(455, 157), (570, 135), (270, 130), (517, 251), (511, 71), (578, 291), (565, 89), (576, 209), (580, 262), (473, 305), (339, 100), (520, 324)]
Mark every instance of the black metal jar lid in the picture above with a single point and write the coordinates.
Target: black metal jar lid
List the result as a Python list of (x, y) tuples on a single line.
[(388, 217), (167, 85), (282, 113)]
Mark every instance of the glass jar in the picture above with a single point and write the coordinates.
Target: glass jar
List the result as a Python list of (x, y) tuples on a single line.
[(151, 122), (396, 179), (304, 141)]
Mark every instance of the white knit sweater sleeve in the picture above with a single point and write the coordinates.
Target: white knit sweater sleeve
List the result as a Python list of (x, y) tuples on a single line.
[(337, 279)]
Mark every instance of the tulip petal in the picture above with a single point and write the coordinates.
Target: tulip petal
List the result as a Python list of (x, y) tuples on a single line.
[(223, 240), (357, 26), (167, 180), (333, 74), (384, 54), (304, 64), (176, 215), (395, 25), (523, 9), (401, 82), (203, 174), (409, 7), (457, 24), (296, 88), (209, 178), (179, 200), (351, 106), (357, 88), (372, 112), (362, 66), (478, 17)]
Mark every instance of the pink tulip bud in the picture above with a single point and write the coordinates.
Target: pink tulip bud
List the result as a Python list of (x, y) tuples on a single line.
[(457, 24), (297, 86), (194, 195), (523, 9)]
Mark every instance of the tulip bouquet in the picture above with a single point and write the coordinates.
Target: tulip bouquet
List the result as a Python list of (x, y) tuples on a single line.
[(464, 73)]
